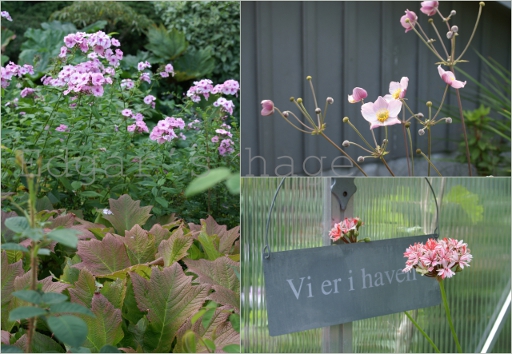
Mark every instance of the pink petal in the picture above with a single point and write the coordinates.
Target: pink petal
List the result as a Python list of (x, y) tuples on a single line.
[(458, 84), (379, 104), (392, 121), (267, 107), (368, 112), (394, 107)]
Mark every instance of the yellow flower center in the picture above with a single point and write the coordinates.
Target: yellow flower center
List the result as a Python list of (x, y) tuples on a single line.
[(396, 94), (382, 115)]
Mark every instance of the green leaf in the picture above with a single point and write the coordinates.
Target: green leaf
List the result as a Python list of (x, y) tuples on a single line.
[(90, 194), (68, 329), (209, 344), (207, 180), (31, 296), (234, 319), (24, 312), (17, 224), (174, 248), (76, 185), (66, 237), (41, 343), (162, 202), (197, 316), (233, 183), (127, 213), (53, 298), (103, 257), (14, 247), (189, 342), (70, 307), (231, 348), (11, 349), (166, 45), (109, 349), (210, 245), (43, 252), (207, 318)]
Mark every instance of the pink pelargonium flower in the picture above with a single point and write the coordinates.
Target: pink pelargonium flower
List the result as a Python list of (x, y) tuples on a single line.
[(398, 89), (449, 78), (381, 113), (358, 94), (429, 7), (408, 25), (267, 107), (344, 227)]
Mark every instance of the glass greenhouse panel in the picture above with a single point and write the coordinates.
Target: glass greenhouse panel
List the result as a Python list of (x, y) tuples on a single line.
[(476, 211)]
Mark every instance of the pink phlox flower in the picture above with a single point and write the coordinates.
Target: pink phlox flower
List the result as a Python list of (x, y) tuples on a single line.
[(217, 88), (149, 98), (193, 94), (223, 132), (230, 87), (381, 113), (449, 78), (169, 69), (115, 42), (26, 91), (127, 84), (62, 128), (411, 16), (145, 77), (164, 74), (97, 90), (143, 65), (63, 52), (226, 105), (138, 117), (215, 139), (131, 128), (429, 7), (6, 15), (126, 112), (358, 94)]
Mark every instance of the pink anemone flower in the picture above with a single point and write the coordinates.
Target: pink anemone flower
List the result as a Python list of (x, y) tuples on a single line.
[(358, 94), (381, 113), (267, 107), (429, 7), (412, 20), (449, 78)]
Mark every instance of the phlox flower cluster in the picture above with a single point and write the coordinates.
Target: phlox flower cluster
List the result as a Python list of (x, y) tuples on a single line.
[(347, 230), (62, 128), (88, 77), (438, 258), (139, 126), (168, 69), (226, 145), (165, 130), (12, 70), (205, 87)]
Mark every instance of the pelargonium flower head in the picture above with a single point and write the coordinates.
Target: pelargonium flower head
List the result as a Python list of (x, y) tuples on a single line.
[(381, 113), (347, 227), (449, 78), (429, 7), (408, 25), (267, 107), (358, 94), (398, 89)]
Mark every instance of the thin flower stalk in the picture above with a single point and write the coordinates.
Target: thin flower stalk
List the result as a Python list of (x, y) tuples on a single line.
[(429, 162), (448, 315), (422, 332)]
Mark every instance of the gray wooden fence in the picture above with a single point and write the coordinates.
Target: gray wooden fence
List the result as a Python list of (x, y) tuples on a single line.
[(343, 45)]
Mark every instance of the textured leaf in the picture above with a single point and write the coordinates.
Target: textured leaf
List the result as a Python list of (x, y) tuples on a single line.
[(226, 237), (53, 298), (6, 337), (132, 313), (31, 296), (67, 237), (127, 213), (103, 257), (5, 231), (160, 233), (9, 274), (83, 289), (226, 297), (175, 248), (105, 328), (70, 273), (169, 298), (69, 329), (166, 45), (115, 292), (141, 269), (40, 344), (210, 245), (17, 224), (24, 312), (66, 220), (219, 330), (140, 246)]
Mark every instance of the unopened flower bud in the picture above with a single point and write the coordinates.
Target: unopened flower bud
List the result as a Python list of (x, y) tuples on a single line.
[(330, 100), (482, 3), (318, 111), (366, 239), (285, 114), (454, 29), (453, 13), (385, 141), (419, 115), (299, 100), (407, 124), (430, 20), (308, 77), (418, 151), (429, 104), (346, 143), (421, 131), (449, 34), (448, 120), (292, 99), (360, 159), (345, 119)]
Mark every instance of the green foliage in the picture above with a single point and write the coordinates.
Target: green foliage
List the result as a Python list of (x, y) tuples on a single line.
[(468, 202), (488, 150), (208, 24)]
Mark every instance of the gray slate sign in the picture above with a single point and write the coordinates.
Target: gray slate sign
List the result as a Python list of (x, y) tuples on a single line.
[(324, 286)]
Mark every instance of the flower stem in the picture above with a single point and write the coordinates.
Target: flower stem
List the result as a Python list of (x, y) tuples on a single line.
[(459, 102), (385, 164), (344, 153), (412, 154), (422, 332), (429, 147), (448, 316)]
